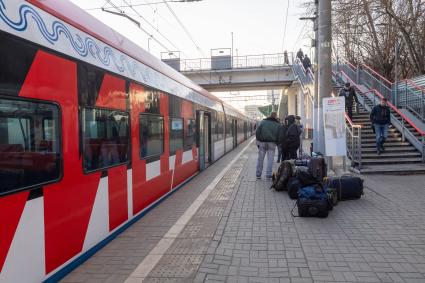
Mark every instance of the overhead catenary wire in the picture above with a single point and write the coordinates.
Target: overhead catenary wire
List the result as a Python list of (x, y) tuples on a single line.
[(152, 26), (185, 29), (299, 35), (284, 27), (134, 5), (140, 27)]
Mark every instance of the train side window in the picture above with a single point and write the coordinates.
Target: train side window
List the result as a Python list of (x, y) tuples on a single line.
[(151, 135), (30, 152), (190, 133), (176, 134), (105, 138)]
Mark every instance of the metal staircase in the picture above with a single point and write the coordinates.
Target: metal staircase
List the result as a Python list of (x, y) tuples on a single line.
[(404, 147)]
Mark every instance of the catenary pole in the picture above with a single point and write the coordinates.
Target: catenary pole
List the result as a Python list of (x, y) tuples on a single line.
[(325, 65), (316, 81)]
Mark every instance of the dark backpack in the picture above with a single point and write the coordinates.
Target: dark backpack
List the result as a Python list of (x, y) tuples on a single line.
[(306, 179), (294, 185), (280, 179)]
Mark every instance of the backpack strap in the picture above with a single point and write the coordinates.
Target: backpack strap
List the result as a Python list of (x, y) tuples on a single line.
[(292, 210)]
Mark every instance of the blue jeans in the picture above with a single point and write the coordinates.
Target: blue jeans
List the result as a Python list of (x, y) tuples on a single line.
[(279, 153), (381, 132), (263, 148)]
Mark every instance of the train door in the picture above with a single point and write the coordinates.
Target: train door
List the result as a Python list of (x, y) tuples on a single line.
[(204, 139), (235, 133), (245, 130)]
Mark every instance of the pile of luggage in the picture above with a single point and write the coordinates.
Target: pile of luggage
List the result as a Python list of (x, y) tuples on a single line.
[(306, 180)]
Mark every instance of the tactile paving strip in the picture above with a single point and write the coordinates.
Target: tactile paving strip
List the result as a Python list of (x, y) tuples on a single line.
[(176, 266), (189, 247), (183, 258)]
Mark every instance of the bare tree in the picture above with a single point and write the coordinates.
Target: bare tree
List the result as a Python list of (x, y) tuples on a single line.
[(368, 31)]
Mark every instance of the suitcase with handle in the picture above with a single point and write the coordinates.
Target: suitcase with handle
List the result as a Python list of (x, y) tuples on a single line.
[(347, 187), (318, 168)]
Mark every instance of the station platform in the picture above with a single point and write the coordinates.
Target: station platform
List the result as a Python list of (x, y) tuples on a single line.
[(226, 226)]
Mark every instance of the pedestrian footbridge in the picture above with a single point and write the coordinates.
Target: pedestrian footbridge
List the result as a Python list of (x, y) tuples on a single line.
[(237, 73)]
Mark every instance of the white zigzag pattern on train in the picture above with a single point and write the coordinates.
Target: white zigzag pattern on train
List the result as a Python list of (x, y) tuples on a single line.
[(82, 47)]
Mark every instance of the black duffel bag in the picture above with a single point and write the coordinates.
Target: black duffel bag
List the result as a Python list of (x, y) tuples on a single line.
[(313, 208)]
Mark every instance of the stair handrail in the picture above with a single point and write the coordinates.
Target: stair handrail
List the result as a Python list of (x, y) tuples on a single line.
[(378, 74), (412, 99), (307, 74), (422, 133), (303, 84), (354, 137), (409, 81), (404, 118)]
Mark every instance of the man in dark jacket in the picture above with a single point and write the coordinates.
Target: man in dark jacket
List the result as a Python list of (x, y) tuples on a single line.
[(300, 55), (267, 135), (292, 139), (307, 64), (350, 96), (381, 119)]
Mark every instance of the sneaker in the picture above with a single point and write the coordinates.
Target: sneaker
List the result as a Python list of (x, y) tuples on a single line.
[(258, 177), (269, 176), (378, 152)]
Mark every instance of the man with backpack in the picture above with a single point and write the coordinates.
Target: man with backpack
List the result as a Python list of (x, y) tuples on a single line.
[(267, 135), (350, 95), (292, 139), (381, 119)]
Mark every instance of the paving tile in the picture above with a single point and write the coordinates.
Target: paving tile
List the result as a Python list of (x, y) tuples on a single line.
[(244, 232)]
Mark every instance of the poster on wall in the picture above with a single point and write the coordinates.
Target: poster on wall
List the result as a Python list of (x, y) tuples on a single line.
[(334, 124)]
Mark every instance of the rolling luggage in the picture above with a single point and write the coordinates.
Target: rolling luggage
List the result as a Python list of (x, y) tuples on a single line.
[(318, 168), (347, 187), (293, 186)]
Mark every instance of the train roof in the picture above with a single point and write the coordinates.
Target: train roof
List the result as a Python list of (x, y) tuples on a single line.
[(75, 16)]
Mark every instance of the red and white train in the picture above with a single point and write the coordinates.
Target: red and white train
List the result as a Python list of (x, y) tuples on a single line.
[(94, 131)]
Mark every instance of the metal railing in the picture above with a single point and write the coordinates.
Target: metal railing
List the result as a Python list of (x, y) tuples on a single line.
[(354, 142), (404, 94), (402, 123), (373, 80), (305, 77), (353, 133), (236, 62), (412, 97)]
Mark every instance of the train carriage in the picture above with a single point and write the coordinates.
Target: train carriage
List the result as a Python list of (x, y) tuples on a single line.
[(94, 131)]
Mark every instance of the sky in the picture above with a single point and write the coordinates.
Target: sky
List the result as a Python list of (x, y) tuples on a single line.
[(257, 25)]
